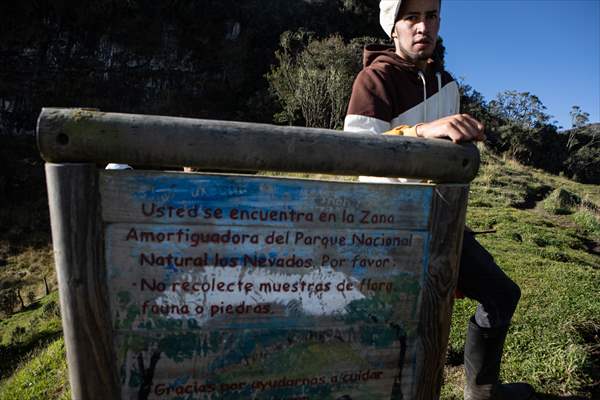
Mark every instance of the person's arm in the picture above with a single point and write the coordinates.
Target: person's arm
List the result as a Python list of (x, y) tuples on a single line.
[(403, 130), (370, 111), (458, 128)]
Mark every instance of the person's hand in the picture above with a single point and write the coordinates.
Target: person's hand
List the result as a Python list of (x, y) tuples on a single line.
[(457, 127)]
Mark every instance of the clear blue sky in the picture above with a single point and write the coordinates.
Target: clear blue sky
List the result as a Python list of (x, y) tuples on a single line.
[(550, 48)]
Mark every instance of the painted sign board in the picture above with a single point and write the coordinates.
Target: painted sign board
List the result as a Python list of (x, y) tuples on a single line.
[(238, 287), (276, 288), (199, 286)]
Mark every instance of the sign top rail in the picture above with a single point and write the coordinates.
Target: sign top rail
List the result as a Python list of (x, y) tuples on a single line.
[(84, 135)]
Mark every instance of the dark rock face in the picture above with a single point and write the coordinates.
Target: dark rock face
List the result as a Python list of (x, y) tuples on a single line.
[(204, 59)]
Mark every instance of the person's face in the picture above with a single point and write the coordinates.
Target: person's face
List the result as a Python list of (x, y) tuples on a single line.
[(416, 30)]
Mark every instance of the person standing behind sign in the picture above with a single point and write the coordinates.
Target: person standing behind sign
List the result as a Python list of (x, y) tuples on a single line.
[(402, 90)]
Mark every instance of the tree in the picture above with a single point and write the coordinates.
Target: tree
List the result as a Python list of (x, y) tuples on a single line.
[(359, 16), (473, 103), (541, 147), (583, 161), (521, 108), (584, 165), (8, 301), (579, 117), (313, 78)]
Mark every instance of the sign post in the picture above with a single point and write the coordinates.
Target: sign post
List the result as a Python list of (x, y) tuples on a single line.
[(222, 286)]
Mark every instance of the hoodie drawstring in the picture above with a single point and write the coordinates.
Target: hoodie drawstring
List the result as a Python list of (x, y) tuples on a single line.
[(424, 96), (439, 94)]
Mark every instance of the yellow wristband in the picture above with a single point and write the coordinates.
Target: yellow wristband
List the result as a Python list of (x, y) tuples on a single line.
[(403, 130)]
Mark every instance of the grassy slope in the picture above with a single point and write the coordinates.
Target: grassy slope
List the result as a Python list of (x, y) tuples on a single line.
[(25, 254), (554, 337), (42, 376), (40, 319), (32, 360)]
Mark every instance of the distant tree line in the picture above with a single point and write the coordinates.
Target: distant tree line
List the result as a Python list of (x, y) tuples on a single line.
[(277, 61), (518, 126), (312, 83)]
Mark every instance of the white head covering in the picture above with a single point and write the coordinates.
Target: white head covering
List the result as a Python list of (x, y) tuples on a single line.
[(388, 10)]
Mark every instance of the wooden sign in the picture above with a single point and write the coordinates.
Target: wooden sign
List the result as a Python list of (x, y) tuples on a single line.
[(271, 287), (199, 286)]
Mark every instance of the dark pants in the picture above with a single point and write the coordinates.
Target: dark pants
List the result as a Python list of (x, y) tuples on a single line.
[(479, 278)]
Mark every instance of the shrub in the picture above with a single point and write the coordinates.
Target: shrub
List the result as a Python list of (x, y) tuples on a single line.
[(31, 296), (561, 201), (8, 301), (587, 220), (17, 334), (51, 309), (313, 79), (583, 161)]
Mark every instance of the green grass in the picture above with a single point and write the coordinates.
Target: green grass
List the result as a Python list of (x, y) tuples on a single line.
[(588, 221), (553, 340), (42, 376), (25, 332), (32, 355), (26, 268), (40, 319)]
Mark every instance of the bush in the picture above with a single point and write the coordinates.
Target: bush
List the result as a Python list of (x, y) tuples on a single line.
[(17, 334), (583, 161), (313, 79), (541, 147), (561, 201), (587, 220), (8, 301), (51, 309), (31, 296)]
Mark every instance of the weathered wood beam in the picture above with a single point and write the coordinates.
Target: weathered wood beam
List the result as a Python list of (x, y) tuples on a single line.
[(79, 257), (448, 215), (80, 135)]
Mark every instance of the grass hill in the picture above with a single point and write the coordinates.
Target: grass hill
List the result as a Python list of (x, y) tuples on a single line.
[(546, 236), (547, 239)]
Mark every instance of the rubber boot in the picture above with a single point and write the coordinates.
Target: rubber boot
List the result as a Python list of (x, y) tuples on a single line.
[(483, 353)]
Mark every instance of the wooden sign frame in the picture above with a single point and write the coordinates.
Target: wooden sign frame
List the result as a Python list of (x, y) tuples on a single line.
[(93, 228)]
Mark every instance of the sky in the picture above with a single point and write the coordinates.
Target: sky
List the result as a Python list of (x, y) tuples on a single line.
[(550, 48)]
